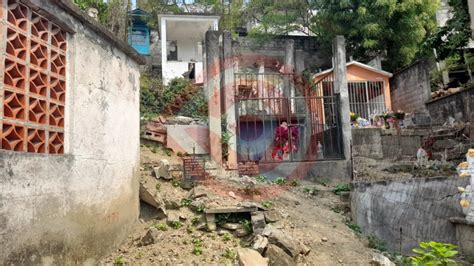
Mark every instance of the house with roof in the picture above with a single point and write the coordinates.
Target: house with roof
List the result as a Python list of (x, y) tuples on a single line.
[(369, 88), (182, 39)]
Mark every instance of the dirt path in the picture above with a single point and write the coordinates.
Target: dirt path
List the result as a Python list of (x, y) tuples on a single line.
[(310, 213)]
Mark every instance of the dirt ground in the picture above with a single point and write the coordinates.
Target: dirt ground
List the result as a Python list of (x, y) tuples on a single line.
[(310, 213)]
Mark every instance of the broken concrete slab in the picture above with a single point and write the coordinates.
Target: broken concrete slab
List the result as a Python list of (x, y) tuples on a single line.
[(198, 205), (162, 170), (278, 257), (232, 226), (211, 221), (172, 204), (287, 243), (182, 120), (380, 260), (241, 232), (221, 232), (231, 210), (151, 237), (146, 195), (258, 222), (250, 257), (173, 217), (197, 192), (260, 243), (272, 216)]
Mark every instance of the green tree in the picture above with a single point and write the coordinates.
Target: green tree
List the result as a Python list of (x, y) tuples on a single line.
[(97, 4), (394, 28), (453, 36)]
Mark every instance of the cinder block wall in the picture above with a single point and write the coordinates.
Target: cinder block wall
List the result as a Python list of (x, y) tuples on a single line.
[(73, 208), (410, 88), (458, 105)]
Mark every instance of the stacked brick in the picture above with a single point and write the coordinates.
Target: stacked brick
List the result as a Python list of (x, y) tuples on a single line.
[(34, 82)]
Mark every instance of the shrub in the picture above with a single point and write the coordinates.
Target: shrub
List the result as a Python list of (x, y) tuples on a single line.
[(434, 253), (341, 188), (376, 243)]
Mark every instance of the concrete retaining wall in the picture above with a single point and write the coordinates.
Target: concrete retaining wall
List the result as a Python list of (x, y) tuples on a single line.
[(337, 170), (377, 143), (420, 208), (458, 105), (308, 53), (410, 88), (74, 208)]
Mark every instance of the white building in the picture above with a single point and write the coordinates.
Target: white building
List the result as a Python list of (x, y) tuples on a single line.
[(182, 38)]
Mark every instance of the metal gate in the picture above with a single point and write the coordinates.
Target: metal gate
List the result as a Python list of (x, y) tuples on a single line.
[(264, 102), (366, 98)]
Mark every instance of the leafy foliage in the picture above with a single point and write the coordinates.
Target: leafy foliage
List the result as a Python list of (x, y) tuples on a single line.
[(355, 227), (97, 4), (376, 243), (280, 181), (434, 253), (447, 40), (197, 249), (389, 27), (180, 97), (341, 188)]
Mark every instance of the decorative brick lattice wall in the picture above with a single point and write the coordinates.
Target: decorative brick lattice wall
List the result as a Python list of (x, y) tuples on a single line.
[(34, 82)]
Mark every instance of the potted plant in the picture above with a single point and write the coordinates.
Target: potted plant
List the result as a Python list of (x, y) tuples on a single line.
[(354, 117)]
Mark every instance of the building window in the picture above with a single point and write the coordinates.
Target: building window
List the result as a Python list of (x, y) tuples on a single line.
[(34, 83), (172, 50)]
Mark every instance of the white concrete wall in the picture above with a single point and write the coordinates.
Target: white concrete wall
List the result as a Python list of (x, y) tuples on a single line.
[(173, 69), (188, 32), (76, 207)]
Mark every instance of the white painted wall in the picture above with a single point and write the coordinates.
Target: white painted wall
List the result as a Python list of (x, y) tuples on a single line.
[(76, 207), (188, 31)]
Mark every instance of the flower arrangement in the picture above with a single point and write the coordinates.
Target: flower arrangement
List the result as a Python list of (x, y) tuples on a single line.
[(354, 117)]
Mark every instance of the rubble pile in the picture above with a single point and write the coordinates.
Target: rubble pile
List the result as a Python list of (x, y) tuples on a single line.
[(450, 141), (156, 129), (230, 220), (442, 92), (223, 213)]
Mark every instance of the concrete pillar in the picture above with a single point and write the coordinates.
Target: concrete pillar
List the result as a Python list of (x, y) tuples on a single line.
[(289, 69), (289, 56), (164, 49), (213, 88), (299, 61), (340, 87), (229, 100), (471, 14)]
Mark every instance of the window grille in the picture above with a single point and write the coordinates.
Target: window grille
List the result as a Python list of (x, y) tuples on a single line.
[(34, 82)]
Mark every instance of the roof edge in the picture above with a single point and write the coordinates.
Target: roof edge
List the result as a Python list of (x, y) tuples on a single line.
[(357, 63)]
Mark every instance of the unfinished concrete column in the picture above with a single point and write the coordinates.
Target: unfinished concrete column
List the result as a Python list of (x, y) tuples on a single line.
[(229, 103), (299, 61), (213, 88), (289, 56), (289, 68), (340, 87)]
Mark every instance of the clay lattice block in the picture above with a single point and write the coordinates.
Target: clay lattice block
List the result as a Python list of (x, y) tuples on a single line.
[(34, 94), (17, 15), (56, 142), (36, 140), (13, 137)]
